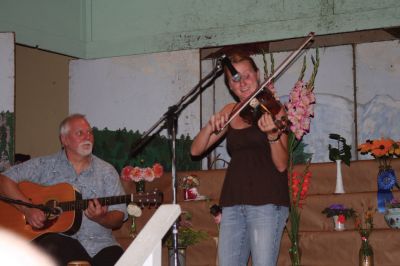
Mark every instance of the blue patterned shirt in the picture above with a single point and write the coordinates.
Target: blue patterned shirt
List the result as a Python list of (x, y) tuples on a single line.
[(100, 179)]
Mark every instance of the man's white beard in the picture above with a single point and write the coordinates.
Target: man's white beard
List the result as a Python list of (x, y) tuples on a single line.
[(85, 151)]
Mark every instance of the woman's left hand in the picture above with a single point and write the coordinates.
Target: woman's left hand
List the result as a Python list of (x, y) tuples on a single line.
[(267, 125)]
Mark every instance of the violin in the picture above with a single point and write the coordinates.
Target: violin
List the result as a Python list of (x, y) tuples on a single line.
[(268, 102), (263, 102)]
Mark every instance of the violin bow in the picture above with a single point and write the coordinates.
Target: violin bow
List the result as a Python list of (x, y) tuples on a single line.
[(279, 69)]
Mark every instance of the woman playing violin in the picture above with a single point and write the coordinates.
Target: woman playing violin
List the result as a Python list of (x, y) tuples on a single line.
[(254, 196)]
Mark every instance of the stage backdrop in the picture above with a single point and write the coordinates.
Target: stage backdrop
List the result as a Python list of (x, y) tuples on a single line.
[(133, 92), (6, 100), (376, 95)]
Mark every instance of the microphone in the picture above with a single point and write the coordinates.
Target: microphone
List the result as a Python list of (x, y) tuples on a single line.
[(227, 62)]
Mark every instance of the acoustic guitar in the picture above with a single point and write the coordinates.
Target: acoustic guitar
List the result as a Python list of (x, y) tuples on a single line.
[(66, 205)]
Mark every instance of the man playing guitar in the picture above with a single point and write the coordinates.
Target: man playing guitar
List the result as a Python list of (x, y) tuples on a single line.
[(92, 177)]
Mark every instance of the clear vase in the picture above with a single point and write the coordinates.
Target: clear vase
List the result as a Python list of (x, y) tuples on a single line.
[(339, 179), (216, 245), (366, 254), (295, 254), (339, 226), (181, 257), (140, 186)]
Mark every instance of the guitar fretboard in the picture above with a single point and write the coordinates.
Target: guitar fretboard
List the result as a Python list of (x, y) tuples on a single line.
[(148, 198)]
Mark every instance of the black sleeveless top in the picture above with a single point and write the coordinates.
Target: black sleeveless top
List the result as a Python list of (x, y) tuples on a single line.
[(251, 177)]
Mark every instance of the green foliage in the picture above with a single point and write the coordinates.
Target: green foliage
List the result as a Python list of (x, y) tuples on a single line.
[(343, 150), (299, 155), (115, 147), (347, 212), (187, 236)]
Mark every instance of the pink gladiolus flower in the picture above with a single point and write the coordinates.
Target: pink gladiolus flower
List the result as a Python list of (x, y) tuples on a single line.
[(300, 109)]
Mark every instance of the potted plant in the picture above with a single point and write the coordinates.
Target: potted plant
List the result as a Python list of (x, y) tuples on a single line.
[(392, 213), (339, 214), (187, 236), (342, 152)]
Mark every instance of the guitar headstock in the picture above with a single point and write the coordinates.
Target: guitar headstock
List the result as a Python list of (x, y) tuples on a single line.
[(151, 198)]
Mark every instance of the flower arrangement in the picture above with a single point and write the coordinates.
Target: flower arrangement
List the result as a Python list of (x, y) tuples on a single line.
[(339, 210), (339, 214), (300, 110), (188, 182), (138, 174), (365, 225), (382, 149), (392, 213), (187, 236), (392, 204), (189, 185), (134, 211), (342, 151)]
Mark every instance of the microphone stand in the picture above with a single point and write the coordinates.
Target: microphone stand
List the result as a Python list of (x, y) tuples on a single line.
[(170, 120)]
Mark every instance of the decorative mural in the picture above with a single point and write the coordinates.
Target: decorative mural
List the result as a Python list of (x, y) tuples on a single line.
[(116, 147), (6, 100), (139, 89), (125, 96), (6, 140), (377, 96)]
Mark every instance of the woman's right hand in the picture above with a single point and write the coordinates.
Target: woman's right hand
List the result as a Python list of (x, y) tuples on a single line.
[(211, 132), (218, 121)]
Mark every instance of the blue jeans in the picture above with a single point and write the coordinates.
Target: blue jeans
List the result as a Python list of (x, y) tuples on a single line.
[(248, 229)]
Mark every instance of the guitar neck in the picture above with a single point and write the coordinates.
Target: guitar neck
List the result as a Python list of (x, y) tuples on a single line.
[(106, 201)]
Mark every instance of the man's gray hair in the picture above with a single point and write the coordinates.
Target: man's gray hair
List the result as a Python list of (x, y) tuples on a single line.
[(64, 125)]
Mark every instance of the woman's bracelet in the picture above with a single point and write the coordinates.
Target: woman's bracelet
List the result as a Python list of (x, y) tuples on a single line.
[(275, 139)]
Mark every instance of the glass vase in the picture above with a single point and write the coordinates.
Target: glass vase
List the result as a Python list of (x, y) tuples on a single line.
[(339, 225), (295, 255), (366, 254), (181, 257), (140, 186)]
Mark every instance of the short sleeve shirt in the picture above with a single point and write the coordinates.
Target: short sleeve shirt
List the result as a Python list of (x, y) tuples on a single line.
[(100, 179)]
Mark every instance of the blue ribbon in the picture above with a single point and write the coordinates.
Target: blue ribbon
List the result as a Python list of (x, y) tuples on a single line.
[(386, 181)]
